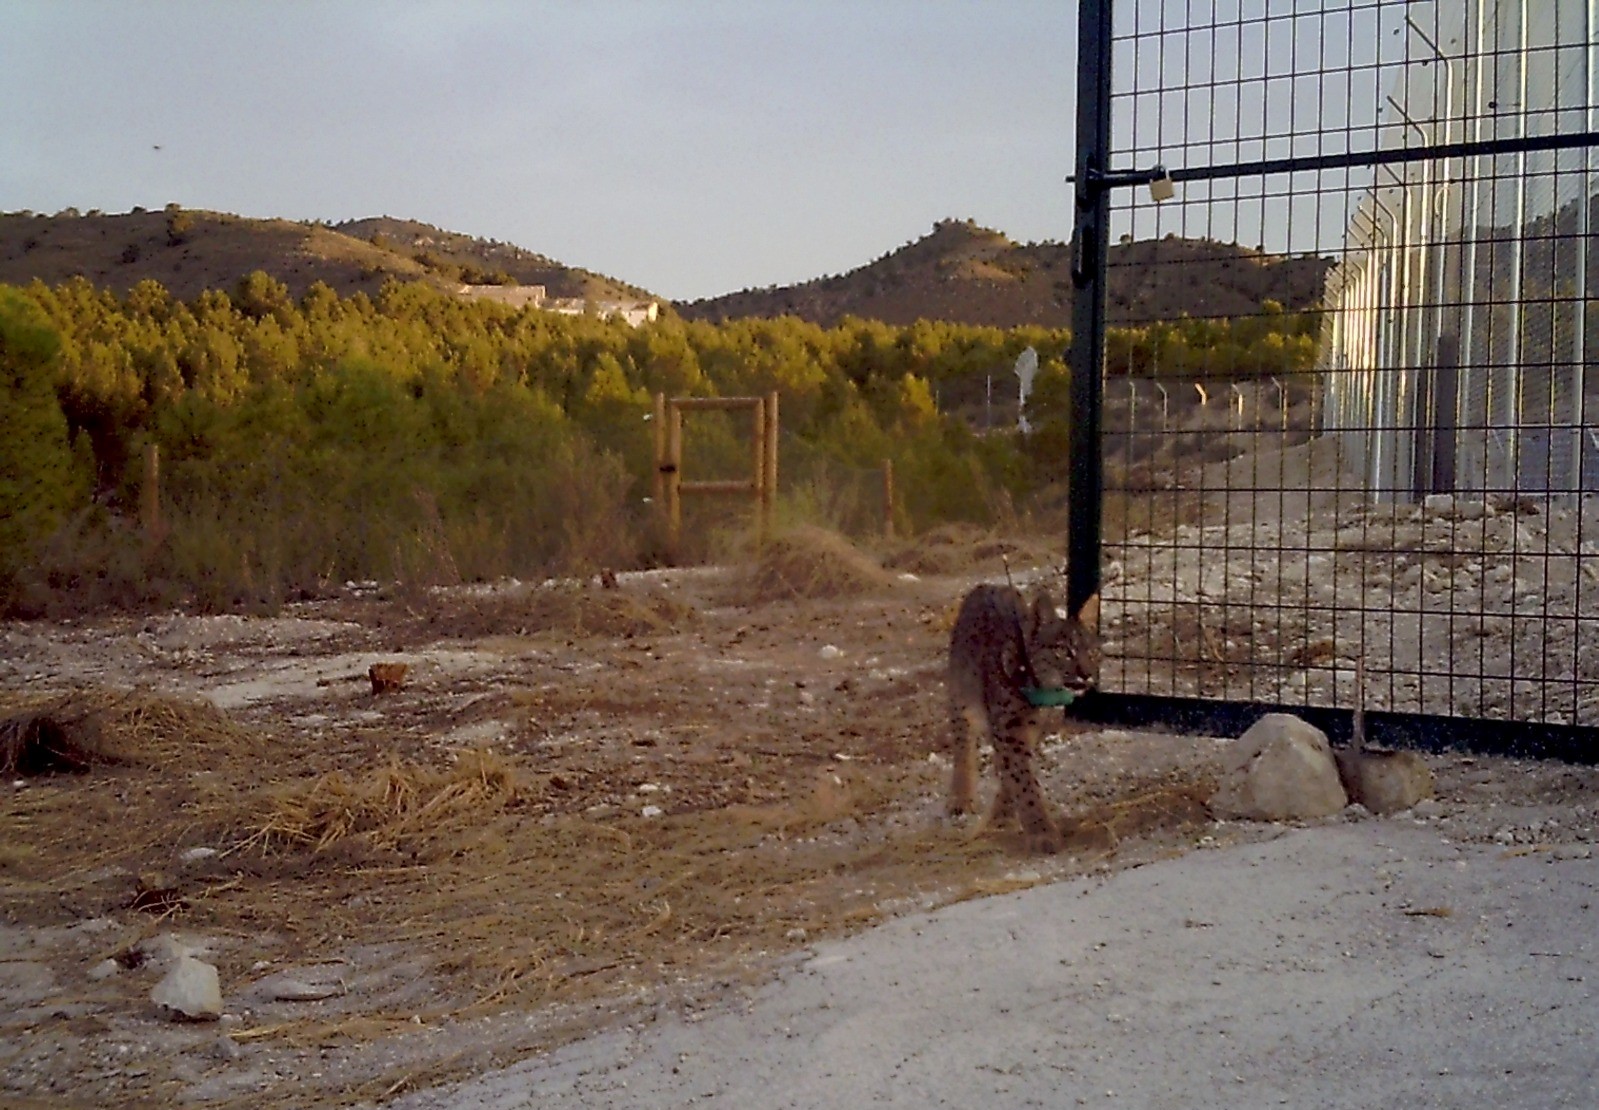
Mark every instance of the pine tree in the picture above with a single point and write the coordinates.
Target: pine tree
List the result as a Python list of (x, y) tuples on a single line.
[(39, 482)]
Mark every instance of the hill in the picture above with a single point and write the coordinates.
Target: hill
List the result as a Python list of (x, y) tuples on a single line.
[(969, 274), (189, 251), (486, 261), (959, 272)]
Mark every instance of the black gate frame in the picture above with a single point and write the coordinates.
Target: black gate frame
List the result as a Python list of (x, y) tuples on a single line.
[(1094, 180)]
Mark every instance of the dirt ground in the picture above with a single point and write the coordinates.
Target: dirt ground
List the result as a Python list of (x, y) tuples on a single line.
[(584, 803)]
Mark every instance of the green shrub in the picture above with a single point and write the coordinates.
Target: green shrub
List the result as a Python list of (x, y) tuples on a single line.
[(40, 478)]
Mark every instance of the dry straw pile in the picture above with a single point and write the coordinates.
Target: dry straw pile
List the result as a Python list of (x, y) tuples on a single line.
[(401, 806), (809, 562), (574, 609), (74, 732)]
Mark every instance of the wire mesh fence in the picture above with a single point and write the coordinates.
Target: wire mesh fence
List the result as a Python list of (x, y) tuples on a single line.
[(1395, 460)]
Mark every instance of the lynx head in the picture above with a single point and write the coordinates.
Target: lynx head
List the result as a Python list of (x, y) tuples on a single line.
[(1063, 650)]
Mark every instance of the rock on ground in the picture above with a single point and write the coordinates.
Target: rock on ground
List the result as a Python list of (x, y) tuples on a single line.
[(1281, 770), (1385, 782), (191, 991)]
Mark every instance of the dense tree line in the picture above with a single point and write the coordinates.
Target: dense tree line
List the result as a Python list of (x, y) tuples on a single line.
[(417, 435)]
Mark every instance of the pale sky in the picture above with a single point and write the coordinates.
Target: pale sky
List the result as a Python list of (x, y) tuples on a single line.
[(694, 147)]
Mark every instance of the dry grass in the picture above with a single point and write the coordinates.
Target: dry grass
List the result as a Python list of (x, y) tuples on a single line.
[(811, 563), (76, 731), (493, 897), (566, 609), (1169, 806), (963, 548), (946, 549), (509, 899), (422, 812)]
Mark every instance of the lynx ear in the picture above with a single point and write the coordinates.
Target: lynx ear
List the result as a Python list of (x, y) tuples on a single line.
[(1088, 615)]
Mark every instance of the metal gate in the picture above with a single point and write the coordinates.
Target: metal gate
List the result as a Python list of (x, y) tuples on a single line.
[(1335, 396)]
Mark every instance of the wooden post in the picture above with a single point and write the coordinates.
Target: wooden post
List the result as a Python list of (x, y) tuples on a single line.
[(760, 487), (758, 460), (659, 489), (769, 471), (888, 499), (674, 481), (150, 498)]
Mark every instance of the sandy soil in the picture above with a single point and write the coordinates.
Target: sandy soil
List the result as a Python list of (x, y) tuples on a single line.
[(710, 789)]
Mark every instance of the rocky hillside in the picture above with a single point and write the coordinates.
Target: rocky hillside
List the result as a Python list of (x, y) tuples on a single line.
[(486, 261), (970, 274), (189, 251), (959, 272)]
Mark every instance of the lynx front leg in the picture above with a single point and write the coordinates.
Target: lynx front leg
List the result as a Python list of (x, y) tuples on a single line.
[(966, 724), (1005, 798), (1013, 754)]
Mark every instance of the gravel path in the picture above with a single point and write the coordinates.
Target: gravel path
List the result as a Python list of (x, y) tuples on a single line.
[(1343, 966)]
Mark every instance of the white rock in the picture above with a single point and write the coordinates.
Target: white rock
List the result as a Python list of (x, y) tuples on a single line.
[(191, 991), (651, 811), (105, 969), (1281, 769), (195, 855), (830, 651)]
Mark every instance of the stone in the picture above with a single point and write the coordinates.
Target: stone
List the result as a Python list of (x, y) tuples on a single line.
[(224, 1048), (191, 991), (306, 983), (1282, 769), (387, 678), (287, 988), (105, 969), (1384, 782)]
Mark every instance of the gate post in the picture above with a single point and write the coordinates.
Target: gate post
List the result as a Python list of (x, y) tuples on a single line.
[(1090, 241)]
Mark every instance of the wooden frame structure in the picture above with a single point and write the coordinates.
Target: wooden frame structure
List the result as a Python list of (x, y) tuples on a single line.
[(669, 484)]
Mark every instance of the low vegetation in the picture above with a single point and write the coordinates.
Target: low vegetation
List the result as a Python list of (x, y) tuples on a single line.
[(413, 436)]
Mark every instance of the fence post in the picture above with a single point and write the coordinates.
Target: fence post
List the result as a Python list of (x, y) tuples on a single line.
[(888, 499), (150, 499), (659, 485), (761, 487), (674, 481), (769, 470), (758, 462)]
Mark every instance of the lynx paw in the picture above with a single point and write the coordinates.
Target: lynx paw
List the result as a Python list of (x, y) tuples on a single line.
[(1047, 841)]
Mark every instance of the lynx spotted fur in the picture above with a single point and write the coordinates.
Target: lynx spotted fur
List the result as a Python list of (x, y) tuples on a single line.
[(999, 646)]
